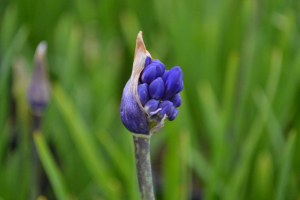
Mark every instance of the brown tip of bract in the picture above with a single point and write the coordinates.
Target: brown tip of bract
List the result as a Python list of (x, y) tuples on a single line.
[(140, 46)]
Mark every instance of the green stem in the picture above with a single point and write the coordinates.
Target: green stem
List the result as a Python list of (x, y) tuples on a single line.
[(143, 166), (36, 165)]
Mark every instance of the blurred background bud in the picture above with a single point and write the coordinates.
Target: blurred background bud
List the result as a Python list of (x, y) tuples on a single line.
[(38, 93)]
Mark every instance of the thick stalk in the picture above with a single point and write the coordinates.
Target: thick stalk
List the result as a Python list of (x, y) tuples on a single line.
[(143, 167)]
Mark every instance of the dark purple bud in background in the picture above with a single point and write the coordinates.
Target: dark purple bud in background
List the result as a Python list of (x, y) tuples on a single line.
[(166, 108), (173, 83), (143, 93), (173, 115), (176, 100), (151, 106), (157, 88), (147, 61), (38, 93)]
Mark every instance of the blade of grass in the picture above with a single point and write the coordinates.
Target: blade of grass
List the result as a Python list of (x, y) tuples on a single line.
[(117, 156), (52, 171), (86, 145), (171, 164), (17, 43), (285, 170), (240, 174)]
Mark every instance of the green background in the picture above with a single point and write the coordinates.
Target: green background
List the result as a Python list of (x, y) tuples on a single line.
[(237, 132)]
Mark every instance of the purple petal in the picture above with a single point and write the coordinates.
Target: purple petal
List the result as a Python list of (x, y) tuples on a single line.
[(166, 108), (176, 100), (157, 88), (173, 115), (147, 61), (151, 106), (143, 93), (173, 83)]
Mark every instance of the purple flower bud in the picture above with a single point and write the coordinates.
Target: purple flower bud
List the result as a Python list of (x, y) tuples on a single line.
[(173, 115), (154, 70), (167, 108), (38, 93), (143, 93), (149, 74), (164, 76), (176, 100), (151, 106), (147, 61), (173, 83), (149, 79), (157, 88), (160, 67)]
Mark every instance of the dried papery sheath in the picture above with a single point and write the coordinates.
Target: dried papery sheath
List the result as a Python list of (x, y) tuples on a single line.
[(38, 93)]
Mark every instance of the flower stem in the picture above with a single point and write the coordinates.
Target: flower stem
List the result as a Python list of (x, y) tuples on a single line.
[(36, 165), (143, 167)]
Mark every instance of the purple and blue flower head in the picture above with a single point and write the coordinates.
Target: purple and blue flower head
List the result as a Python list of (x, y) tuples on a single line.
[(152, 93)]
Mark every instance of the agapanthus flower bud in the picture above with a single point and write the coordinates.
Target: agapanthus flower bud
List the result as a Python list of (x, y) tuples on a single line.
[(160, 67), (164, 76), (144, 114), (176, 100), (149, 74), (38, 93), (147, 61), (173, 115), (151, 106), (173, 83), (157, 88), (143, 93), (167, 108)]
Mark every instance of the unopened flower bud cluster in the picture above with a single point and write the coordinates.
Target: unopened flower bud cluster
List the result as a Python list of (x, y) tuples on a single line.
[(158, 89)]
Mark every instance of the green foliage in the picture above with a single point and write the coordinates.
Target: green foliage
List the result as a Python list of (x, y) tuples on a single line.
[(237, 132)]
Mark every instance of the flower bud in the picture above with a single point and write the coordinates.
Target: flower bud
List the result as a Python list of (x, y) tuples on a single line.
[(154, 70), (160, 67), (173, 83), (167, 108), (149, 74), (157, 88), (173, 115), (147, 61), (151, 106), (176, 100), (143, 93), (38, 93), (141, 111), (164, 76)]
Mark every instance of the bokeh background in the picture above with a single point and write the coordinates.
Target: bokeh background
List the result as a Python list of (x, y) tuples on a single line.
[(237, 132)]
